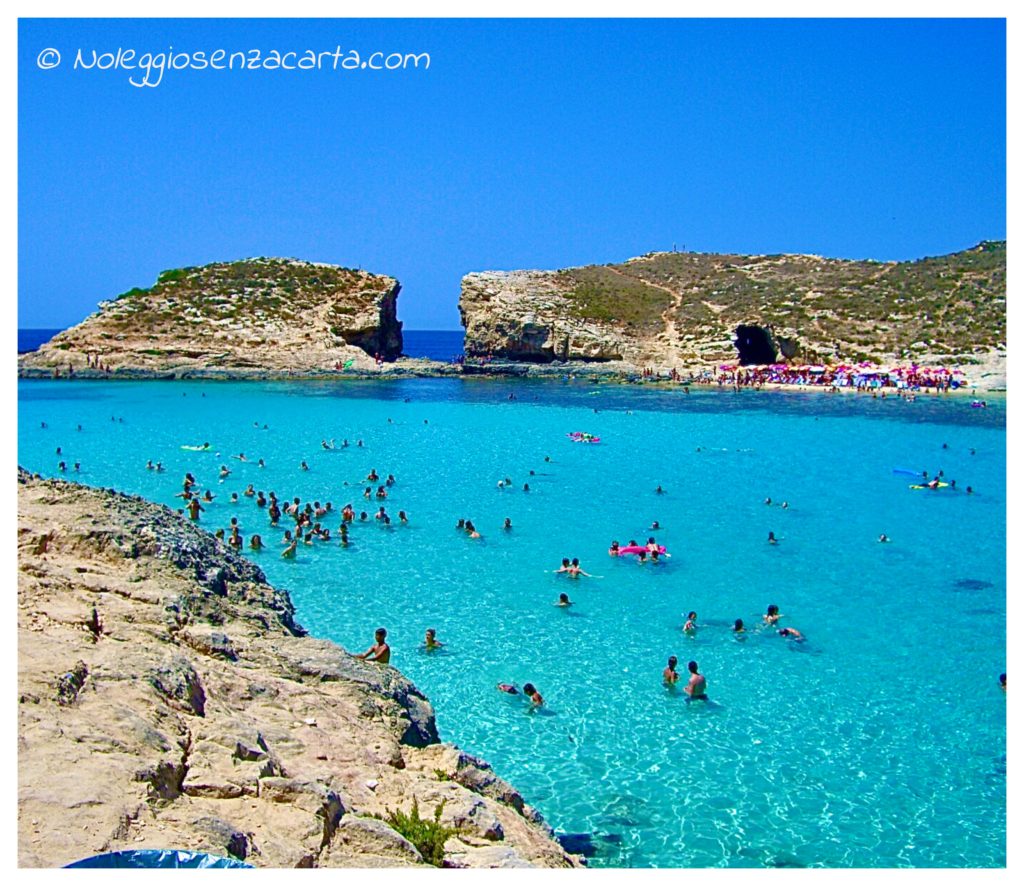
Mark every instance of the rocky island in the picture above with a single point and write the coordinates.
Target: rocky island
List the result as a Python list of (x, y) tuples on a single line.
[(168, 699), (260, 316), (669, 311), (685, 309)]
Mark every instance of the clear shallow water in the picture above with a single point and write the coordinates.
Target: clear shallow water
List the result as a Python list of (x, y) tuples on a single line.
[(878, 742)]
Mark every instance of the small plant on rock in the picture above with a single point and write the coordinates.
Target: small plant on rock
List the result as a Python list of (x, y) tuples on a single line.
[(427, 835)]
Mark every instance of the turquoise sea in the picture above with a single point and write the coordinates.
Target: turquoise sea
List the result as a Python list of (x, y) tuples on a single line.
[(878, 742)]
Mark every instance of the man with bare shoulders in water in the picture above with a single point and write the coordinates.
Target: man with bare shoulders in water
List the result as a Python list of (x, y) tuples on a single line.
[(380, 651), (697, 685)]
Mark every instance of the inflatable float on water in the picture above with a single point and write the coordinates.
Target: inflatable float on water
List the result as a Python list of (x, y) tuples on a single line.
[(639, 549), (581, 437), (923, 486)]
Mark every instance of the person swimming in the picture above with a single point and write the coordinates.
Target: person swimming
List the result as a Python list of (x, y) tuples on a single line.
[(691, 623), (530, 691), (772, 615), (563, 600), (471, 530), (670, 675), (772, 540), (430, 640), (575, 570), (510, 688), (737, 627), (613, 549), (508, 524), (791, 634)]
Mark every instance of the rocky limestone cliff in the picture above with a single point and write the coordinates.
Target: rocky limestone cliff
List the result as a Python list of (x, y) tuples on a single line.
[(691, 309), (168, 699), (259, 314)]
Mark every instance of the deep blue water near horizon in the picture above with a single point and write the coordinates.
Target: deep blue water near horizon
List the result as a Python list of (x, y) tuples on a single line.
[(879, 742), (437, 344)]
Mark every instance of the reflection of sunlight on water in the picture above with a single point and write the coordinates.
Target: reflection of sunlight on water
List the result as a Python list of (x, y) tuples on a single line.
[(797, 759)]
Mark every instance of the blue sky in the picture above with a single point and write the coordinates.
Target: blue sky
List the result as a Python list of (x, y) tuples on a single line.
[(527, 144)]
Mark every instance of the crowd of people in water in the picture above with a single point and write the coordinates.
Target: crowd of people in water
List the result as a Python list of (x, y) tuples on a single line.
[(307, 524)]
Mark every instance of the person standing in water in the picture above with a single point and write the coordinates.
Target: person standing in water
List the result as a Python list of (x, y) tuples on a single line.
[(194, 508), (575, 570), (670, 675), (530, 691), (380, 651), (696, 688)]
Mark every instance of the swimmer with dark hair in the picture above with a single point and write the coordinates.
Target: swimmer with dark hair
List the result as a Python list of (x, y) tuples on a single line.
[(563, 600), (380, 651), (670, 675), (430, 641), (697, 686), (613, 549), (772, 615), (510, 688), (691, 623), (575, 570), (737, 627), (791, 634), (531, 692)]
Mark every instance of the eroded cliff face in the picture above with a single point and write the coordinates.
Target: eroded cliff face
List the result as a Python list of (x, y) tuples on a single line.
[(526, 315), (277, 315), (168, 699), (694, 309)]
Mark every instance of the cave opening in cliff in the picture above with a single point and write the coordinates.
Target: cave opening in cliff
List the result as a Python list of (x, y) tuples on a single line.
[(755, 345)]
